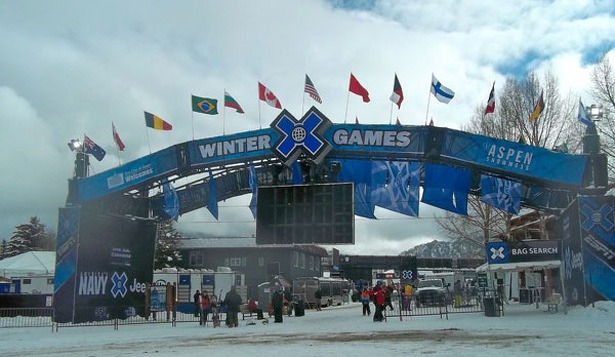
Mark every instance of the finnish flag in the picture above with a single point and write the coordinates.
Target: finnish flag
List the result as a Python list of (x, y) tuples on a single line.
[(442, 93)]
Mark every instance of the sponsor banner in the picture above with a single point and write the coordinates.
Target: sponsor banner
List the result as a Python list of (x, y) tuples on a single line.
[(66, 262), (524, 251), (147, 168), (114, 262), (597, 221), (517, 158)]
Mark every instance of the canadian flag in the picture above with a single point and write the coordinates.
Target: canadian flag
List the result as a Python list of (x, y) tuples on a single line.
[(267, 96)]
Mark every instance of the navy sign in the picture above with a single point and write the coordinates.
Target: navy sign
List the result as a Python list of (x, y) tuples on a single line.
[(301, 137)]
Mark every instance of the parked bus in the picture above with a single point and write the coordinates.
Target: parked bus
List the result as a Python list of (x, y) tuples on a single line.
[(334, 291)]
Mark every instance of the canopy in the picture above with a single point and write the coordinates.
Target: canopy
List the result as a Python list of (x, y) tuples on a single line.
[(28, 264), (520, 266)]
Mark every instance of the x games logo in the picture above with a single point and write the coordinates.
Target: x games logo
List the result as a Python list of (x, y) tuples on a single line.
[(301, 137)]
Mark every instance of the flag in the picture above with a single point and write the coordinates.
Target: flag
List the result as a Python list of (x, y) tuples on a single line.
[(398, 95), (267, 96), (155, 122), (356, 88), (204, 105), (212, 202), (359, 172), (395, 186), (117, 139), (254, 188), (171, 202), (442, 93), (447, 188), (297, 175), (230, 102), (501, 193), (311, 90), (90, 147), (583, 115), (537, 109), (491, 101)]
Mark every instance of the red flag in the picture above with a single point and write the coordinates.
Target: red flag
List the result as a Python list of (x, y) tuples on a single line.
[(491, 102), (116, 138), (267, 96), (398, 95), (356, 88)]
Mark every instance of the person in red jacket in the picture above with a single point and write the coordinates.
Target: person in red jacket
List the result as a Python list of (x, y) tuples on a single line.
[(378, 302)]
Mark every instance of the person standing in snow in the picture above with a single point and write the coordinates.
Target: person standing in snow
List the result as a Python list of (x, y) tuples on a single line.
[(318, 297), (277, 302), (205, 307), (379, 302), (197, 305), (232, 301), (365, 302)]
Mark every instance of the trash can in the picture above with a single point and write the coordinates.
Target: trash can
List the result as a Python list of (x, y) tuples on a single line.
[(491, 307), (299, 308)]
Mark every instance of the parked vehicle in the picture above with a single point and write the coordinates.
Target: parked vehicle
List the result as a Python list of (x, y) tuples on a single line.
[(430, 292), (334, 291)]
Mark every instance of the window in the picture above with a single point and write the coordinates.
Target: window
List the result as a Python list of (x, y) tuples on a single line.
[(196, 259), (26, 281), (261, 262), (237, 262), (49, 281), (302, 260), (295, 259), (311, 263)]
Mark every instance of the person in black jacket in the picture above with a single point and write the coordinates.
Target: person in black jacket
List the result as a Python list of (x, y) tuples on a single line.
[(232, 301), (197, 303), (277, 302)]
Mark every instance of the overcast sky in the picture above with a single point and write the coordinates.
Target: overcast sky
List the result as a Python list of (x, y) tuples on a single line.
[(68, 68)]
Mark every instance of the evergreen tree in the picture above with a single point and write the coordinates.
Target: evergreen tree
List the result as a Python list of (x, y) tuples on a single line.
[(28, 237), (3, 249), (167, 255)]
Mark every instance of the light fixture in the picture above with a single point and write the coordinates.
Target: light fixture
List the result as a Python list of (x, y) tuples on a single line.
[(74, 144), (595, 111)]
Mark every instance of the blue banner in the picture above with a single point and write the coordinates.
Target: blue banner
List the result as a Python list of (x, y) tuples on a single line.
[(517, 158)]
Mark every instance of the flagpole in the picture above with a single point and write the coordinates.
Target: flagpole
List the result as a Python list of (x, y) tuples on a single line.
[(391, 114), (347, 99), (148, 142), (428, 101), (303, 103), (86, 162), (259, 114), (119, 160), (191, 116), (224, 114)]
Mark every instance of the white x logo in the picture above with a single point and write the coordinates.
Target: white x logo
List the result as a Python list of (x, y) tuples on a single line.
[(497, 253)]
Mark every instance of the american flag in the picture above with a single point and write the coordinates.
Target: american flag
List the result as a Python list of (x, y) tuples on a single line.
[(311, 90)]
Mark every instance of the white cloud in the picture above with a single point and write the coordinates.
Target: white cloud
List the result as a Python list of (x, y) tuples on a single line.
[(71, 68)]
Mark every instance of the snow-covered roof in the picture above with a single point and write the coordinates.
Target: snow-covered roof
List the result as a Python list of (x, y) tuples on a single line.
[(29, 264), (242, 242)]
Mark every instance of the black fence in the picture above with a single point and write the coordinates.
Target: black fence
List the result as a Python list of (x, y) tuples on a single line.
[(469, 301)]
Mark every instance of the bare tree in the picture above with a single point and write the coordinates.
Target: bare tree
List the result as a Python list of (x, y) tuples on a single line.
[(603, 91), (556, 125)]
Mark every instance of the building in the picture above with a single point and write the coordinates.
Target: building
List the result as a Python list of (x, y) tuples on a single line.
[(257, 262)]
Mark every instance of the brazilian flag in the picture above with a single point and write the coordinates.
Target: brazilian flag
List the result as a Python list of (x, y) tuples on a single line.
[(204, 105)]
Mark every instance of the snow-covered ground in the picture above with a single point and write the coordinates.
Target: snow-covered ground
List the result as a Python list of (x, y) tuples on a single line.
[(340, 331)]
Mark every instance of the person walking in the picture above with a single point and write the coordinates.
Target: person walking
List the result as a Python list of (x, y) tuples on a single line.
[(232, 301), (205, 307), (197, 305)]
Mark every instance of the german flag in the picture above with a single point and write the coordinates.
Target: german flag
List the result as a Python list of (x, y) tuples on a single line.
[(155, 122)]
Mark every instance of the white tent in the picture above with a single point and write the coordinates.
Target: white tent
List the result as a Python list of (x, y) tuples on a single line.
[(28, 264)]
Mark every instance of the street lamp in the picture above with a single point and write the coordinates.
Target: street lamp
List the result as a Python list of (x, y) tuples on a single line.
[(81, 158), (75, 145)]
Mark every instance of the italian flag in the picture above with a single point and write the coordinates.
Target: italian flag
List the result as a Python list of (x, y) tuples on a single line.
[(230, 102)]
